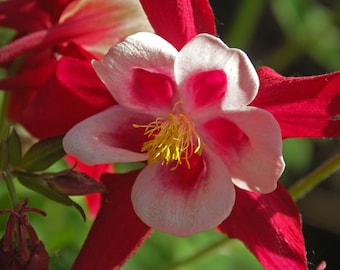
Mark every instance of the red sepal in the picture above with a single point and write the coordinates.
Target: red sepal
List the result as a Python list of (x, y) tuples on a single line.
[(303, 106), (23, 15), (178, 21), (72, 94), (270, 226), (117, 232)]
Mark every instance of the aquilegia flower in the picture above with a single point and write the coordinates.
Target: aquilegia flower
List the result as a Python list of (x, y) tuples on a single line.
[(185, 113), (275, 235)]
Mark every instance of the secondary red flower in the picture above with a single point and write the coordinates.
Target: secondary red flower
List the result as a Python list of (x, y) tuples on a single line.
[(58, 40), (55, 86)]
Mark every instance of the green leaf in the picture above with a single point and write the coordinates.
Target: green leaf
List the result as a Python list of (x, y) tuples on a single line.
[(43, 154), (39, 184), (4, 156), (14, 145)]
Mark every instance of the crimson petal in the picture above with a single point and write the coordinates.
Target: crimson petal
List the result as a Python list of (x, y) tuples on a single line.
[(72, 94), (270, 226), (116, 227), (53, 7), (303, 106), (24, 86), (23, 15), (179, 21)]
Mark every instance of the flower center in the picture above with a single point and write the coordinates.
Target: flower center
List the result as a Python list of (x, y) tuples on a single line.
[(172, 139)]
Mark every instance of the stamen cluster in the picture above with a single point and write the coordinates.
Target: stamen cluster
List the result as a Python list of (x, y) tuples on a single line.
[(173, 139)]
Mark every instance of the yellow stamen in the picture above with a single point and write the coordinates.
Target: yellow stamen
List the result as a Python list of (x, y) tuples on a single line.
[(172, 139)]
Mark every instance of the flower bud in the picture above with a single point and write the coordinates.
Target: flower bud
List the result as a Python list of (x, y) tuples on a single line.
[(20, 247), (73, 183)]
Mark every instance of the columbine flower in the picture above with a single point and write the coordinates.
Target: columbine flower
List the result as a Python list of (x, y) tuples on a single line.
[(189, 110), (275, 235)]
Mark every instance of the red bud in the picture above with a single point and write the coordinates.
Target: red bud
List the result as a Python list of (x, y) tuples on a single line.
[(20, 247)]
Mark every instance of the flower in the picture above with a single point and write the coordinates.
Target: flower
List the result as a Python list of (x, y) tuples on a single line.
[(275, 236), (198, 134), (59, 38), (287, 99)]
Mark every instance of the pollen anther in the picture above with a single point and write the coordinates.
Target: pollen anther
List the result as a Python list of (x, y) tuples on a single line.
[(171, 139)]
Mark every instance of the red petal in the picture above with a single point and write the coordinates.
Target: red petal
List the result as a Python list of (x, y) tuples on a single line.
[(303, 106), (93, 204), (117, 232), (23, 87), (270, 226), (29, 77), (71, 95), (23, 15), (53, 7), (208, 87), (179, 21), (150, 87)]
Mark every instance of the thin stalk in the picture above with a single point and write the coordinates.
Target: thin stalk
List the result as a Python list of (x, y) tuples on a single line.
[(11, 189), (4, 130), (4, 126), (306, 184)]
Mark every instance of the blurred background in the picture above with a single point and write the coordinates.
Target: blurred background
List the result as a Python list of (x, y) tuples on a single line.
[(294, 37)]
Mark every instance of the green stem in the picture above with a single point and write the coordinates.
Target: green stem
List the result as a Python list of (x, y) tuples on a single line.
[(11, 189), (4, 130), (306, 184), (197, 255), (4, 126)]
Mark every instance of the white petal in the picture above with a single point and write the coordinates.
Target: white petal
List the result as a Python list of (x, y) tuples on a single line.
[(107, 137), (144, 52), (208, 53), (163, 200), (250, 144)]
